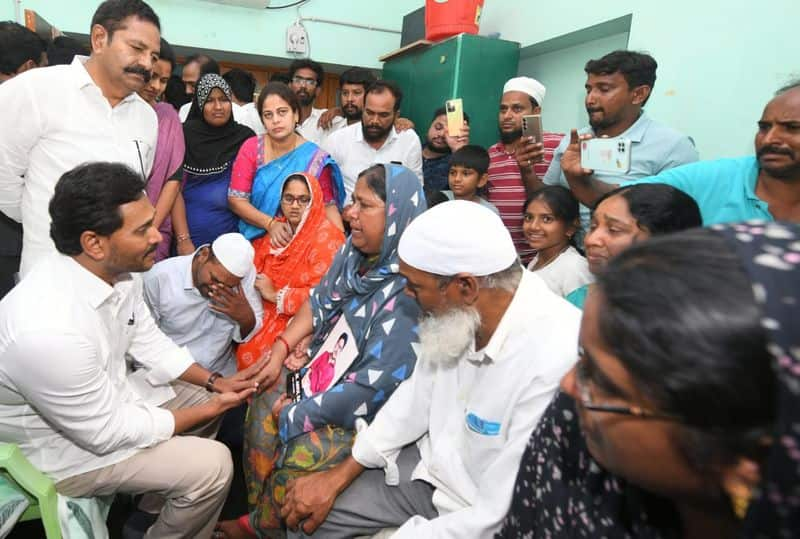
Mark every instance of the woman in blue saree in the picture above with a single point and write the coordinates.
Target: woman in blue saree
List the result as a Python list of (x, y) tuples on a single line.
[(265, 161), (213, 139)]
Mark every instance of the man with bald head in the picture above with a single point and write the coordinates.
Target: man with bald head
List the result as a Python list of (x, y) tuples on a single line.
[(765, 186), (440, 457)]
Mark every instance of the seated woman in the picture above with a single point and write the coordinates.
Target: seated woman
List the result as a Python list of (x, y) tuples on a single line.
[(362, 295), (286, 275), (264, 161), (629, 215), (681, 417), (213, 139), (550, 222)]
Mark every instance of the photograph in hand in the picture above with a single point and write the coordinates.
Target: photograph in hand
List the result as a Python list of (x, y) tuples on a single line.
[(331, 361)]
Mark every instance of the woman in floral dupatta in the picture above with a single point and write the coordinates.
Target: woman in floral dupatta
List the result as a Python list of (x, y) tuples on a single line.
[(285, 440), (287, 274)]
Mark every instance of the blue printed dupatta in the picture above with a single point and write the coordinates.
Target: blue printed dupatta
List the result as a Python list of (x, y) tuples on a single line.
[(266, 191)]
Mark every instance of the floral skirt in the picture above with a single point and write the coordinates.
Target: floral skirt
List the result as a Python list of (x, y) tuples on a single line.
[(269, 464)]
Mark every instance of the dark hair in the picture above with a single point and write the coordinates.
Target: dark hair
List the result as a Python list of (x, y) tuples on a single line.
[(357, 75), (380, 86), (242, 83), (562, 204), (679, 313), (471, 156), (175, 93), (88, 197), (343, 337), (435, 198), (375, 176), (167, 53), (207, 64), (282, 91), (307, 64), (657, 207), (63, 49), (441, 111), (18, 45), (639, 69), (111, 13), (296, 177), (280, 77)]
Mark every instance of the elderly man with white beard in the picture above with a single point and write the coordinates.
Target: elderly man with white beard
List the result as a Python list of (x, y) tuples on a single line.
[(441, 456)]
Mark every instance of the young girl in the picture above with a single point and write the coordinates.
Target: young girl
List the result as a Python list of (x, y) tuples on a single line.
[(550, 222)]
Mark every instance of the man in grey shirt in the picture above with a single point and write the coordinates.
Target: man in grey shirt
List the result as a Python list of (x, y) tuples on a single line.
[(207, 300)]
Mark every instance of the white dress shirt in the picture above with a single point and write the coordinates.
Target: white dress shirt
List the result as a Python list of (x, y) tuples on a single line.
[(310, 129), (353, 154), (472, 418), (54, 119), (248, 115), (183, 112), (65, 397), (184, 315)]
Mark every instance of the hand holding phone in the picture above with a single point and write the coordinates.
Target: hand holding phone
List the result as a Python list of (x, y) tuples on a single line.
[(611, 155), (454, 108)]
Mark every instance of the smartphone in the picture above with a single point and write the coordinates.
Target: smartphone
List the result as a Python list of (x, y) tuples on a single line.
[(455, 116), (606, 154), (532, 126), (294, 387)]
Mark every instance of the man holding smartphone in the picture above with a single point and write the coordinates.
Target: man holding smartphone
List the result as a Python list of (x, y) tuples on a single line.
[(518, 162), (618, 86)]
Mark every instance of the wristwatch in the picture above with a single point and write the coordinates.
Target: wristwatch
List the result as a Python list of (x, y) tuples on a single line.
[(211, 379)]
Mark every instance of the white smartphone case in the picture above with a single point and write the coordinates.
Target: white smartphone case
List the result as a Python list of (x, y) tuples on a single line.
[(606, 154)]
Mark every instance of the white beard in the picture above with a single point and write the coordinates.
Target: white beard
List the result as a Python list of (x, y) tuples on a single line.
[(446, 337)]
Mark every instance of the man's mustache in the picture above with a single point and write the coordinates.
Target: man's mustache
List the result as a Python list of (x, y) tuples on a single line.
[(136, 70), (774, 149)]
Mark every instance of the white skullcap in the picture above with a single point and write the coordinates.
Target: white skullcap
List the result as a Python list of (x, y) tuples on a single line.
[(526, 85), (234, 252), (457, 237)]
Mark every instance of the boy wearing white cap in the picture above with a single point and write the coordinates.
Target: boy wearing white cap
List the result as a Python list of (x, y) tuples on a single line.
[(440, 458), (517, 164), (207, 300)]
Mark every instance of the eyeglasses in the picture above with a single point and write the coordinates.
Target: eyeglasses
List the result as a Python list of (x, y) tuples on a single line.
[(302, 81), (581, 379), (289, 200)]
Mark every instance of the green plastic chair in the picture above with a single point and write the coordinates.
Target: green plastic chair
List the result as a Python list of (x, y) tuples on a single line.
[(39, 489)]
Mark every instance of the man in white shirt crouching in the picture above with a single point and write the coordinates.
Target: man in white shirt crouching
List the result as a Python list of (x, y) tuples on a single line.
[(65, 395), (495, 341)]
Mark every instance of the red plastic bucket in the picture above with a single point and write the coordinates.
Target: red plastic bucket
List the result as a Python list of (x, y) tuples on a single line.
[(446, 18)]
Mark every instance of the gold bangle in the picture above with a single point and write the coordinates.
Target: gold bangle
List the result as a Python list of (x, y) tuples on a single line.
[(271, 220)]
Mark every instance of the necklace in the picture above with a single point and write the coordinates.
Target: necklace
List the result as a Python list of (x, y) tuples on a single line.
[(551, 260)]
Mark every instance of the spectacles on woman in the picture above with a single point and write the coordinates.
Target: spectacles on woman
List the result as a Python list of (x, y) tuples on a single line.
[(289, 200), (581, 382)]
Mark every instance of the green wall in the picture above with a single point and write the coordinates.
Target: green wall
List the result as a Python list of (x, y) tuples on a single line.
[(195, 23), (719, 61)]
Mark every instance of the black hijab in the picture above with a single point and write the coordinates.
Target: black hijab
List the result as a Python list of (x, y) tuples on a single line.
[(209, 149)]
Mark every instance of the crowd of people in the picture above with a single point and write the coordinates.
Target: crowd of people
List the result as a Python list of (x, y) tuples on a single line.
[(406, 339)]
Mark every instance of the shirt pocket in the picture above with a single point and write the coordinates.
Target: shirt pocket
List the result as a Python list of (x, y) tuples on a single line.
[(484, 437)]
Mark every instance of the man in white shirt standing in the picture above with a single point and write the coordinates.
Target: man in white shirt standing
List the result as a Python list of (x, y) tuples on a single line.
[(58, 117), (305, 80), (441, 456), (376, 139), (207, 300), (243, 86), (65, 396)]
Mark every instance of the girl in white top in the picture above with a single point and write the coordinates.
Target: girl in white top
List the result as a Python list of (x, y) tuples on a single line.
[(550, 222)]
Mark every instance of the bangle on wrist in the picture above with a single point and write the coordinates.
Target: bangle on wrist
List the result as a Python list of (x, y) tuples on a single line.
[(271, 220), (182, 237), (211, 379), (286, 344)]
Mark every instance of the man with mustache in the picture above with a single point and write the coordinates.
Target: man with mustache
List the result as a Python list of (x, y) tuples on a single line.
[(375, 139), (516, 163), (618, 86), (58, 117), (437, 150), (67, 396), (494, 343), (763, 187), (305, 80)]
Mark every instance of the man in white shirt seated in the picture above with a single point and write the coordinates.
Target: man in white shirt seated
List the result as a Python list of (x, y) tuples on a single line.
[(207, 300), (57, 117), (243, 86), (65, 332), (441, 456), (376, 139)]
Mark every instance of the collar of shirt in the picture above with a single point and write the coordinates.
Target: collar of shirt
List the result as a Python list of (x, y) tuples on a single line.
[(83, 79), (95, 289), (508, 324), (635, 132), (391, 138), (188, 279), (750, 183)]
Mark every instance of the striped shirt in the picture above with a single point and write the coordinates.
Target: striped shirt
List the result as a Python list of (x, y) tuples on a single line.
[(507, 190)]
